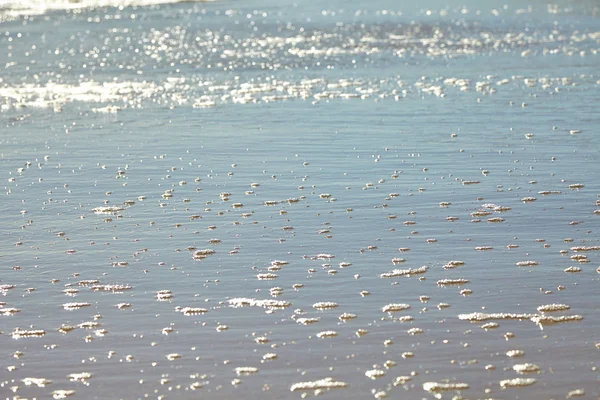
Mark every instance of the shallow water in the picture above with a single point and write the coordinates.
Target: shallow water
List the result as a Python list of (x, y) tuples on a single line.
[(296, 133)]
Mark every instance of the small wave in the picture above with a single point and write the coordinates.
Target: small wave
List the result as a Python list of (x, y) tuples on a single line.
[(10, 9)]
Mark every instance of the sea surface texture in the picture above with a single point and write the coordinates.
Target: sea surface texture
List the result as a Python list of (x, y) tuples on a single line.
[(278, 200)]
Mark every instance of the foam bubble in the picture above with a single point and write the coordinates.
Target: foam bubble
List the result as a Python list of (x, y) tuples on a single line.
[(267, 276), (347, 316), (327, 334), (404, 272), (517, 382), (375, 373), (107, 210), (202, 254), (575, 393), (528, 263), (39, 382), (484, 248), (401, 380), (395, 307), (553, 307), (246, 370), (111, 288), (325, 305), (477, 316), (453, 264), (27, 333), (515, 353), (61, 393), (268, 303), (66, 328), (164, 295), (573, 270), (9, 311), (440, 387), (89, 325), (307, 321), (447, 282), (192, 310), (542, 320), (490, 325)]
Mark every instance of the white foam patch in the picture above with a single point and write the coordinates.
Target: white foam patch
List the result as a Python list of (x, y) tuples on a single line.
[(307, 321), (246, 370), (327, 334), (573, 270), (17, 8), (268, 303), (192, 310), (576, 393), (447, 282), (490, 325), (517, 382), (404, 272), (39, 382), (97, 210), (324, 256), (24, 333), (81, 376), (585, 248), (553, 307), (453, 264), (394, 307), (542, 320), (324, 305), (9, 311), (528, 263), (267, 276), (66, 328), (402, 380), (202, 254), (164, 295), (439, 387), (62, 393), (375, 373), (515, 353), (325, 383), (111, 288), (477, 316), (526, 368)]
